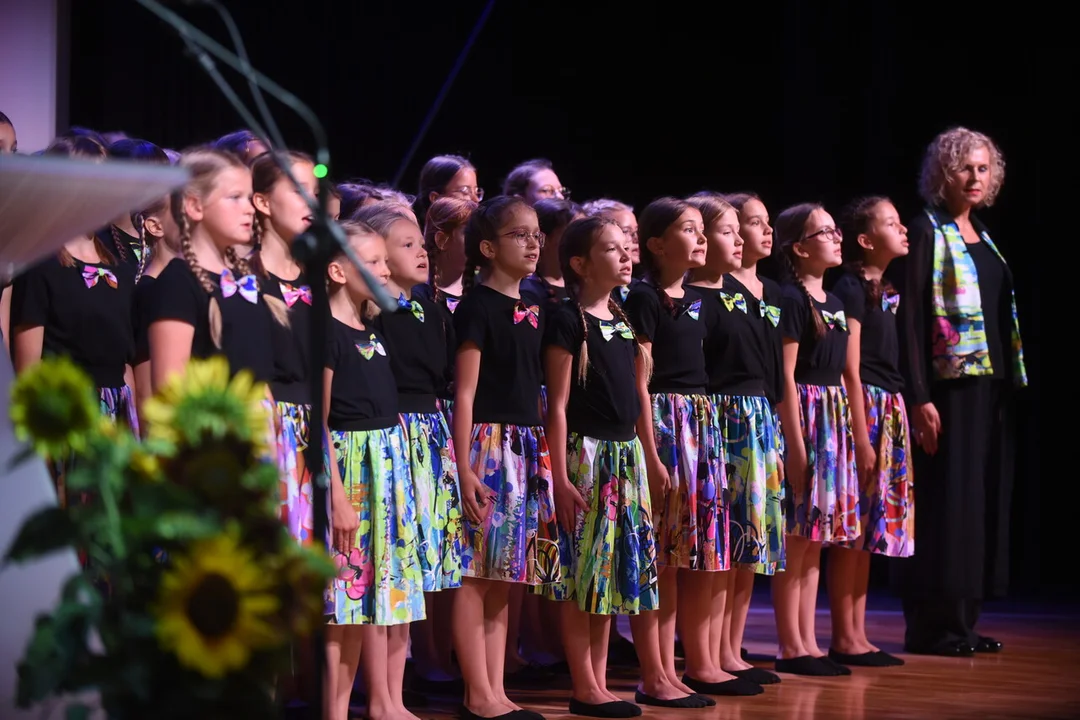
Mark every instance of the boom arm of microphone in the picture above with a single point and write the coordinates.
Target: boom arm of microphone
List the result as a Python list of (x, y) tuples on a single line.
[(324, 230)]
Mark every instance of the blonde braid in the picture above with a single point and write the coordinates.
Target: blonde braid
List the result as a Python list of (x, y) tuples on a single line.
[(646, 358), (202, 276)]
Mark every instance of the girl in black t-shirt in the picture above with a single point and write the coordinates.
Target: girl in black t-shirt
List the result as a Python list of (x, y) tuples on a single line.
[(444, 238), (419, 337), (78, 303), (873, 238), (547, 284), (161, 236), (684, 459), (126, 234), (503, 462), (606, 542), (736, 355), (379, 584), (821, 494)]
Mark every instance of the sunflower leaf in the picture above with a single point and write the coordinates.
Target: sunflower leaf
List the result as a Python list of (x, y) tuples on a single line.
[(44, 532), (186, 526), (39, 673)]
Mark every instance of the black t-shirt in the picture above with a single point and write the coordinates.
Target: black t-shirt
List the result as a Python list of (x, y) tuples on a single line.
[(540, 290), (606, 407), (736, 345), (140, 317), (420, 338), (508, 388), (677, 336), (126, 248), (363, 395), (245, 325), (767, 308), (85, 311), (821, 360), (292, 359), (879, 347), (448, 301), (996, 305), (620, 294)]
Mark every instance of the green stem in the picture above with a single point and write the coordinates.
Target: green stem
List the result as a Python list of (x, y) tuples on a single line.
[(112, 514)]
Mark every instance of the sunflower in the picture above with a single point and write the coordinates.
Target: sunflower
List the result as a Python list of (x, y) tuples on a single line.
[(214, 605), (307, 575), (54, 406), (204, 401)]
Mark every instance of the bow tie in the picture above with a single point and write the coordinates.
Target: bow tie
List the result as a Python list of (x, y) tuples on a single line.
[(624, 292), (91, 274), (693, 309), (247, 285), (734, 301), (293, 294), (890, 302), (412, 305), (530, 312), (834, 320), (608, 330), (770, 311), (372, 346), (452, 303)]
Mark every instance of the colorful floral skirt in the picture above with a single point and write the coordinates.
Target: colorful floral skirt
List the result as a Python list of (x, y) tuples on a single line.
[(518, 540), (692, 531), (297, 491), (609, 561), (752, 450), (888, 502), (380, 581), (438, 499), (827, 510)]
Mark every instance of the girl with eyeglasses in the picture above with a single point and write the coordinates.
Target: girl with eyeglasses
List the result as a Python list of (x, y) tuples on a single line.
[(446, 176), (503, 461), (821, 491)]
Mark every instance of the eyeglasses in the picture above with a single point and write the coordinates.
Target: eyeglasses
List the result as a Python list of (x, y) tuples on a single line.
[(630, 233), (826, 234), (470, 192), (522, 238), (549, 191)]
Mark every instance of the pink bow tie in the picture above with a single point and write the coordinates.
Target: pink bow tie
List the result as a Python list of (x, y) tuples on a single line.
[(91, 274), (248, 286), (292, 294)]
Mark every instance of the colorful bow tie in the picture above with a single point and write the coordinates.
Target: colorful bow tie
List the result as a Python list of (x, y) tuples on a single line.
[(734, 301), (693, 309), (136, 250), (90, 275), (624, 292), (834, 320), (770, 311), (452, 303), (247, 285), (530, 312), (293, 294), (608, 330), (890, 302), (372, 346), (412, 305)]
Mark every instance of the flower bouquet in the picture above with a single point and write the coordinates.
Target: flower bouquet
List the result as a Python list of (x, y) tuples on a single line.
[(192, 591)]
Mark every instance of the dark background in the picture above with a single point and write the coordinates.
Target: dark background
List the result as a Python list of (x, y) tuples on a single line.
[(795, 102)]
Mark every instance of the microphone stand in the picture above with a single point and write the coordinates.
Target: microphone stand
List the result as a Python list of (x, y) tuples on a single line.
[(314, 250)]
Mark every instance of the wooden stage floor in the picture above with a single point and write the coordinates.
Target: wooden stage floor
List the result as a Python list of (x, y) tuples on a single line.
[(1036, 676)]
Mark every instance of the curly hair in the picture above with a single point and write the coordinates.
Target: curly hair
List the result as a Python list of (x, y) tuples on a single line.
[(947, 153)]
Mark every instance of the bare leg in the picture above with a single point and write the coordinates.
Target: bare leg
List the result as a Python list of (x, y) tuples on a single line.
[(515, 610), (860, 584), (495, 623), (669, 601), (841, 575), (397, 644), (577, 639), (470, 640), (735, 613), (701, 605), (655, 682), (380, 701), (599, 632), (786, 594), (343, 643), (811, 571)]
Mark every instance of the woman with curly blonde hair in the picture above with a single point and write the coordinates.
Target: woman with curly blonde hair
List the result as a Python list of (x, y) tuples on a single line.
[(961, 357)]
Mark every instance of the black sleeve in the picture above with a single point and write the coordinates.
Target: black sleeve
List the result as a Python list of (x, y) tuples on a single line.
[(178, 297), (643, 309), (470, 323), (564, 330), (30, 297), (793, 313), (852, 294), (915, 288), (333, 347)]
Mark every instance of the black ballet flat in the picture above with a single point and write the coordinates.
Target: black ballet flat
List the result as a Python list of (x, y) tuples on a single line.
[(866, 659), (805, 665), (988, 645), (756, 675), (613, 709), (889, 660), (467, 714), (690, 702), (840, 669), (738, 687)]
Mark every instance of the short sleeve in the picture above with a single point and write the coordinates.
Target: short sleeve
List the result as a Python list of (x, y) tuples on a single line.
[(642, 307), (177, 297), (144, 297), (471, 323), (852, 294), (564, 330), (793, 313), (333, 348), (30, 297)]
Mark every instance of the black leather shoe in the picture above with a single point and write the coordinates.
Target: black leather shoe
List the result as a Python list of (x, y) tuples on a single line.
[(949, 649), (988, 645)]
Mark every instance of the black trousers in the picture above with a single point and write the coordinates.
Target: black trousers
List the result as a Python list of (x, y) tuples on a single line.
[(932, 622)]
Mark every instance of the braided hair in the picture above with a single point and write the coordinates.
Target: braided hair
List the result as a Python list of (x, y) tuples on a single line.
[(856, 221), (789, 229), (577, 241), (137, 151), (484, 225), (655, 219), (265, 173), (445, 215)]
